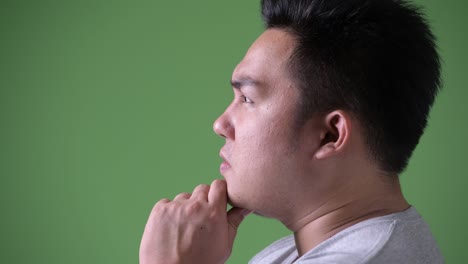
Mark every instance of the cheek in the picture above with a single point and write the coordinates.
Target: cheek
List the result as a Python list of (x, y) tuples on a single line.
[(261, 184), (255, 144), (263, 141), (262, 155)]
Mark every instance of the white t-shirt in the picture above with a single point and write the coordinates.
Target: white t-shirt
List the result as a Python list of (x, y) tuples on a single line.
[(402, 237)]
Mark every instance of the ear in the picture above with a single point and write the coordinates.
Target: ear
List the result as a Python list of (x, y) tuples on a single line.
[(335, 134)]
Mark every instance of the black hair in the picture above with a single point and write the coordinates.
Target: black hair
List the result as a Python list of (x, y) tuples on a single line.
[(375, 58)]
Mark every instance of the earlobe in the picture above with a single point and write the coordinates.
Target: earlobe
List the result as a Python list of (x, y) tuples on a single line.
[(335, 135)]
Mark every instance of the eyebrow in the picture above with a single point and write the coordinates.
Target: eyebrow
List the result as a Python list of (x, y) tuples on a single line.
[(239, 83)]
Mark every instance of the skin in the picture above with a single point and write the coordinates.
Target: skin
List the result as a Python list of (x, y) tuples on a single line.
[(316, 179)]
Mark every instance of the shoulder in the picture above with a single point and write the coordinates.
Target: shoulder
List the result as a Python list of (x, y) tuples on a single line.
[(396, 238), (410, 242), (356, 244)]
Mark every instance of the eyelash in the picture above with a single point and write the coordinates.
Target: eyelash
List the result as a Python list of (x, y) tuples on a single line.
[(245, 99)]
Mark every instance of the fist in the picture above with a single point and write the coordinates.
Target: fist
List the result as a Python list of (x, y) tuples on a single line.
[(193, 228)]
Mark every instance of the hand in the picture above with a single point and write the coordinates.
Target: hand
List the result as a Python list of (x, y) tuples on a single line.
[(193, 228)]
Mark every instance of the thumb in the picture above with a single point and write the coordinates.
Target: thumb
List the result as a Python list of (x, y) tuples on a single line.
[(235, 216)]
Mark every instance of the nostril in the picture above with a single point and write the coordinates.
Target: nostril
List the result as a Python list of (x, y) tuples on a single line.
[(218, 129), (222, 126)]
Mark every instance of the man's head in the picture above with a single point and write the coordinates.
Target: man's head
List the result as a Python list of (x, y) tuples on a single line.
[(373, 58), (330, 88)]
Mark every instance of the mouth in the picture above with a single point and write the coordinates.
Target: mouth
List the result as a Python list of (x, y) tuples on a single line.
[(225, 165)]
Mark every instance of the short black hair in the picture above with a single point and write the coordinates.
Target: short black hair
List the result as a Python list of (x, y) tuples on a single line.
[(375, 58)]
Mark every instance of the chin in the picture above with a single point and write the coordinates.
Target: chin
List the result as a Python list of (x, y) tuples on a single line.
[(236, 200), (240, 199)]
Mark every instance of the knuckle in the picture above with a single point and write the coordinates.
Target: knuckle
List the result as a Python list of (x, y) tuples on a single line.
[(218, 183), (201, 187), (182, 195), (194, 208), (214, 215), (160, 206)]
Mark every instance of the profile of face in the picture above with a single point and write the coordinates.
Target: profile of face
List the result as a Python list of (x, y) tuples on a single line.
[(262, 152)]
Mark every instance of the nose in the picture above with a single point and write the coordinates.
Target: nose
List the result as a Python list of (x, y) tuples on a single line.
[(223, 126)]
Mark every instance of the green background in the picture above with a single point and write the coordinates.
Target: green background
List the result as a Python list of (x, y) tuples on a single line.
[(107, 107)]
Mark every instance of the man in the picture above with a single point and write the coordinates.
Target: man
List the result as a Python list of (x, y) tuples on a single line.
[(330, 101)]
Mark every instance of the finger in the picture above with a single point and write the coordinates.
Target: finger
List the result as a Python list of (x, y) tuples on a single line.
[(163, 201), (201, 192), (235, 216), (182, 196), (160, 204), (218, 194)]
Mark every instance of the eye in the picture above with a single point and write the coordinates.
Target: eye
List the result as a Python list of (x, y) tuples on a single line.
[(246, 100)]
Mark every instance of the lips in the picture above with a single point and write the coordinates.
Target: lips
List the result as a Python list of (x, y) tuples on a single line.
[(225, 165)]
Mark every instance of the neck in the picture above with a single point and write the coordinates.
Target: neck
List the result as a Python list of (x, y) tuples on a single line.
[(348, 206)]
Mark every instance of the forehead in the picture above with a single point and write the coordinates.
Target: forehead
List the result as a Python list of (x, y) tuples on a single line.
[(267, 56)]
